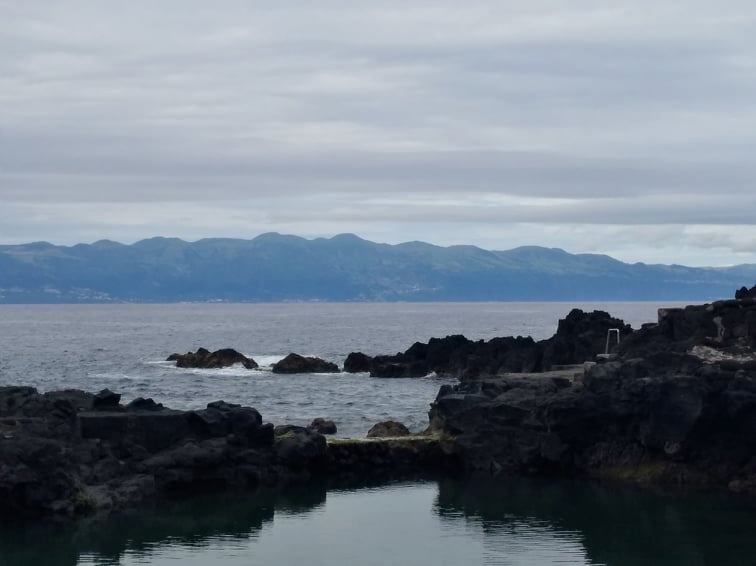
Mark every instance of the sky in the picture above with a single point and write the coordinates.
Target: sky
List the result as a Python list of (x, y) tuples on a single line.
[(624, 127)]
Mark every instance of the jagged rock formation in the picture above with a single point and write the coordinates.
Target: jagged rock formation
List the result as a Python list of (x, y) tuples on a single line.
[(205, 359), (579, 338), (294, 363), (65, 453), (677, 405), (746, 293)]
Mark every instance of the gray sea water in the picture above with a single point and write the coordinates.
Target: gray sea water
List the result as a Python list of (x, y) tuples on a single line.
[(123, 348), (452, 522)]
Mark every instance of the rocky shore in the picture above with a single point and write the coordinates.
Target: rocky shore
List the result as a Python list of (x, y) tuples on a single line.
[(579, 337), (674, 403), (69, 453)]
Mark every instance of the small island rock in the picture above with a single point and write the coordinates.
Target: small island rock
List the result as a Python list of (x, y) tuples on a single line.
[(294, 363), (205, 359)]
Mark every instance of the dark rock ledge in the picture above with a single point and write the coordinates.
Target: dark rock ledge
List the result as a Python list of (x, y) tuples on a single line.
[(579, 338), (69, 453), (676, 406)]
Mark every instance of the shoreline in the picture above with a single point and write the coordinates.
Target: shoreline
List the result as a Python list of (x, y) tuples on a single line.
[(672, 406)]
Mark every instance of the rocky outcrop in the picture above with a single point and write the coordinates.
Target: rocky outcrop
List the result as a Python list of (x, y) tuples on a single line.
[(388, 429), (676, 405), (323, 426), (294, 363), (206, 359), (728, 326), (68, 453), (357, 362), (746, 293), (579, 338)]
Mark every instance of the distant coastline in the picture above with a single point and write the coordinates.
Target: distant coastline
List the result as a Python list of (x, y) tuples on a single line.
[(275, 268), (355, 302)]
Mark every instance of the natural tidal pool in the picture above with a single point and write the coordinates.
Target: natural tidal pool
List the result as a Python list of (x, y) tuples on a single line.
[(447, 522)]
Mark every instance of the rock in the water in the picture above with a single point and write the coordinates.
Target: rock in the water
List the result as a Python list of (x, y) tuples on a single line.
[(294, 363), (357, 362), (388, 429), (382, 368), (323, 426), (205, 359)]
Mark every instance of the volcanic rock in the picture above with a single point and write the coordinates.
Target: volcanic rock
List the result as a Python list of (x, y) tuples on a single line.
[(323, 426), (357, 362), (294, 363), (388, 429), (297, 446), (106, 399), (676, 406), (746, 293), (60, 456), (580, 337), (204, 359)]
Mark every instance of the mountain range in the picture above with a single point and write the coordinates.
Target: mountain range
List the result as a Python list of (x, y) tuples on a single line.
[(275, 267)]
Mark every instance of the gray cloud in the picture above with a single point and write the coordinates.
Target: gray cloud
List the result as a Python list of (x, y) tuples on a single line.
[(626, 128)]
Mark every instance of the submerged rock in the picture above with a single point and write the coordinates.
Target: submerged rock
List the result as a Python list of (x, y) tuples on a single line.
[(294, 363), (388, 429), (323, 426), (205, 359)]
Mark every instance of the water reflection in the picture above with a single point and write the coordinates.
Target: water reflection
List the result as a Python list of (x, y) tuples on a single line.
[(450, 522), (229, 519), (615, 526)]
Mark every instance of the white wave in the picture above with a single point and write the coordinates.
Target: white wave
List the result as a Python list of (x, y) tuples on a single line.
[(234, 370), (266, 361)]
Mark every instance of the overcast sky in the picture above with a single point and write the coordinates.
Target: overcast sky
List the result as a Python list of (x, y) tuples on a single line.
[(625, 127)]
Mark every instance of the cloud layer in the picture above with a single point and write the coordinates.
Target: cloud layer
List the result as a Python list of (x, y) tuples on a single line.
[(625, 128)]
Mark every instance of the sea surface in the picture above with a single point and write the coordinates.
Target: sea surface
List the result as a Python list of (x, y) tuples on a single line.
[(510, 522), (123, 348)]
